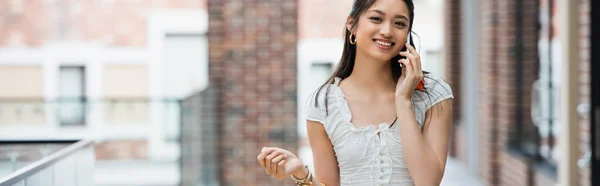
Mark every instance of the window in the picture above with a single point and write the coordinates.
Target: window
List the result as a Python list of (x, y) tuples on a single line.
[(21, 95), (72, 102), (547, 86), (545, 103), (319, 72), (126, 89)]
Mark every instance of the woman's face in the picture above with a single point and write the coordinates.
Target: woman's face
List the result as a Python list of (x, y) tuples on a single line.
[(382, 29)]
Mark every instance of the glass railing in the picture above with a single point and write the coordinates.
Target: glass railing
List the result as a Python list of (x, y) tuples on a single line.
[(46, 163), (73, 111), (113, 114)]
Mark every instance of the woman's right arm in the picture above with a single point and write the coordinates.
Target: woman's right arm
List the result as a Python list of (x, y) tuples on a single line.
[(326, 165)]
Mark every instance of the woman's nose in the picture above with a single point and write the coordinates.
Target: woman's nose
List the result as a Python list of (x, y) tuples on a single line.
[(385, 31)]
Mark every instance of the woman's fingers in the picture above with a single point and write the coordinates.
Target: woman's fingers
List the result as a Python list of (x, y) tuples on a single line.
[(417, 58), (263, 154), (414, 60), (408, 55), (273, 160), (411, 49), (268, 161), (407, 67), (275, 164), (414, 57), (409, 73), (261, 158), (281, 167), (411, 59)]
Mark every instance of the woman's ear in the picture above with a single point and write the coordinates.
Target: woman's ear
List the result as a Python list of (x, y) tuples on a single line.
[(350, 24)]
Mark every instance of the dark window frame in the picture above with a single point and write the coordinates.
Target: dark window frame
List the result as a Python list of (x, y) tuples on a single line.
[(525, 140), (79, 99)]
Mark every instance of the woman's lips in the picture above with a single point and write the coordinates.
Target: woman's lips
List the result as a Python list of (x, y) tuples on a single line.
[(383, 44)]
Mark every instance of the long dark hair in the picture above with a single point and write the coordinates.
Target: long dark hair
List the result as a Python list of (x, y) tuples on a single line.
[(346, 64)]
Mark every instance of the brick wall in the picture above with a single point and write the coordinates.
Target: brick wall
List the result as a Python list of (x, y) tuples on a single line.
[(322, 18), (513, 104), (122, 150), (488, 163), (252, 60), (31, 23), (499, 106), (453, 58), (498, 85), (504, 107), (584, 90)]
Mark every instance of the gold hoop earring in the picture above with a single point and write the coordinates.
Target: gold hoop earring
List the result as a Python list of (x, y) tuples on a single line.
[(350, 38)]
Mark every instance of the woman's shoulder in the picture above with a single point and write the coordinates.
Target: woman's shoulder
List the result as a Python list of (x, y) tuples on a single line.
[(322, 101), (436, 83), (436, 90), (318, 95)]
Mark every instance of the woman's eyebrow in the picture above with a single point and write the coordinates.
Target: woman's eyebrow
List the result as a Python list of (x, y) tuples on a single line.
[(383, 13)]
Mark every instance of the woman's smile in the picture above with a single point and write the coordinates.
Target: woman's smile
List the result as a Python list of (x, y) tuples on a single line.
[(383, 44)]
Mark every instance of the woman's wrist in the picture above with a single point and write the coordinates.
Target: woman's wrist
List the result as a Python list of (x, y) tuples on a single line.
[(301, 173), (403, 106), (399, 96), (403, 102)]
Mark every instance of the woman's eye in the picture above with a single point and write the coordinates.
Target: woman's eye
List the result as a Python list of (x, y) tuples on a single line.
[(400, 24), (375, 19)]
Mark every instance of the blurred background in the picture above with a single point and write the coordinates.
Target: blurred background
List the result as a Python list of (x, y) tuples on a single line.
[(187, 92)]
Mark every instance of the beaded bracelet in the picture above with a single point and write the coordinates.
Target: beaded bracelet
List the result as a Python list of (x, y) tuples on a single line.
[(304, 181)]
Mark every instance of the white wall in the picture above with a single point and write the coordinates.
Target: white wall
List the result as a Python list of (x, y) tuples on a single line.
[(160, 24), (428, 24), (94, 57), (50, 57)]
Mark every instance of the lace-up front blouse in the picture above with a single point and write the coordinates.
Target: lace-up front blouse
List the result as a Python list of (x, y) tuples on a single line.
[(370, 155)]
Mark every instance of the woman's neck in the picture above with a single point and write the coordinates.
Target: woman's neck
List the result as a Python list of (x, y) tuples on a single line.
[(372, 75)]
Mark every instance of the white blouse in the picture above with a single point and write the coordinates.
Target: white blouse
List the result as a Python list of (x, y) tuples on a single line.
[(363, 157)]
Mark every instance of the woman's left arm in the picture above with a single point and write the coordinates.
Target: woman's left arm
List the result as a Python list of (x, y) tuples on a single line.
[(425, 153)]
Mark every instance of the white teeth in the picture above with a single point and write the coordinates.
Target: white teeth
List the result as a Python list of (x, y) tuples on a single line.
[(383, 43)]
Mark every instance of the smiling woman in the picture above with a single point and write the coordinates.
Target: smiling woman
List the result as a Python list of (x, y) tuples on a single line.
[(368, 124)]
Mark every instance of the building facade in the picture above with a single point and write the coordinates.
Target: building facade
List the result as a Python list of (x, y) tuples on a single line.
[(111, 71), (506, 61)]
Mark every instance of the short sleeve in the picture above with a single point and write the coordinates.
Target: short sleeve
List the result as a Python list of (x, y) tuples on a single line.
[(315, 108), (438, 90)]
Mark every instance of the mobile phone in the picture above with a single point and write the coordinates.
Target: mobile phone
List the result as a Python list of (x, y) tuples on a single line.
[(405, 48), (421, 84), (407, 42)]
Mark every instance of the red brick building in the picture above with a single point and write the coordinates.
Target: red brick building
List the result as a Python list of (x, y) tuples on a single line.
[(505, 63)]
